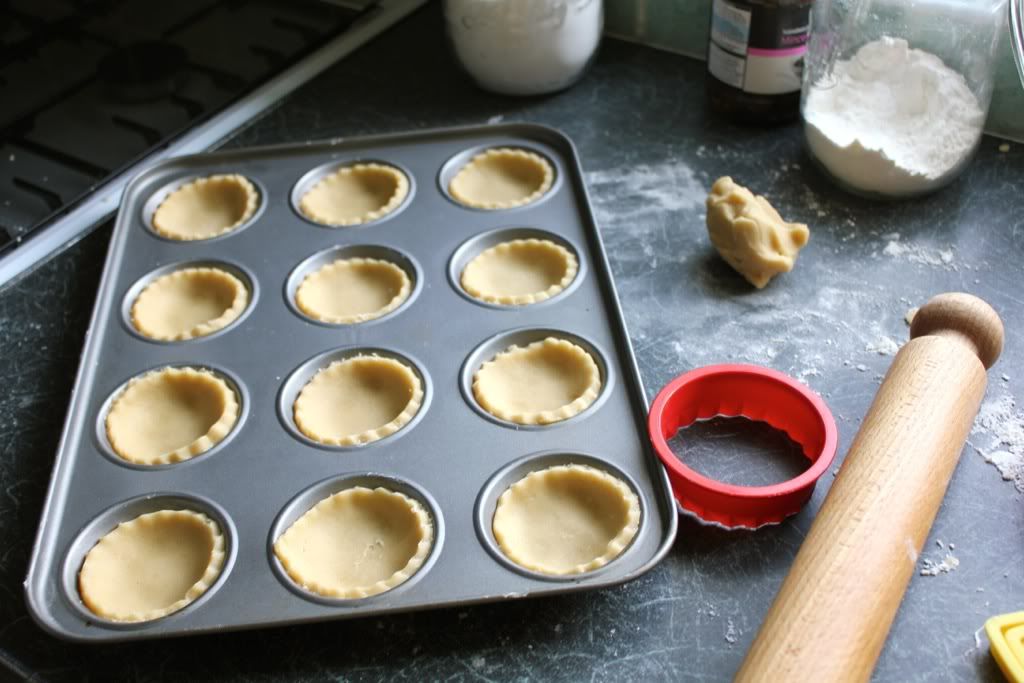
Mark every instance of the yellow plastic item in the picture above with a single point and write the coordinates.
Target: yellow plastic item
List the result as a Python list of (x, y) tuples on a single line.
[(1006, 641)]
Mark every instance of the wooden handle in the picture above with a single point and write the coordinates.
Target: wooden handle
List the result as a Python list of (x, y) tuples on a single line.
[(833, 612)]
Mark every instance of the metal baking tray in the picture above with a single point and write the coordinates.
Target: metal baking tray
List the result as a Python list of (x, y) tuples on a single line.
[(454, 457)]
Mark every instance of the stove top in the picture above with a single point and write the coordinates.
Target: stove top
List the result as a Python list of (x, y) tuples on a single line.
[(92, 91)]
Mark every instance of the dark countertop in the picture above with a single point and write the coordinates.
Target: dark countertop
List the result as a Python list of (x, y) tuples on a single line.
[(650, 151)]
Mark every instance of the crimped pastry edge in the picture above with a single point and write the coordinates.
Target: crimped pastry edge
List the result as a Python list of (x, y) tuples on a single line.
[(213, 569), (214, 435), (202, 329), (396, 199), (252, 199), (571, 409), (395, 302), (370, 435), (547, 180), (616, 546), (572, 268), (423, 549)]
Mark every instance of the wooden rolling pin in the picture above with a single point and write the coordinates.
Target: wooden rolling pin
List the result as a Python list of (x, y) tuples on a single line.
[(833, 612)]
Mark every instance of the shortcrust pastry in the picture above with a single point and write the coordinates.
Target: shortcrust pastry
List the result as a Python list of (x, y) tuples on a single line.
[(358, 400), (189, 303), (547, 381), (353, 290), (206, 207), (567, 519), (502, 178), (519, 272), (356, 543), (152, 566), (355, 194), (170, 415)]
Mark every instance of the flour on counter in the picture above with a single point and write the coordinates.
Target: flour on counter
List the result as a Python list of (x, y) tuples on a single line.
[(998, 436), (731, 633), (883, 346), (621, 194), (943, 566), (917, 254)]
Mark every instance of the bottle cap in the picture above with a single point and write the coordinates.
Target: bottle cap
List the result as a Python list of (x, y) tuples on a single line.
[(756, 393)]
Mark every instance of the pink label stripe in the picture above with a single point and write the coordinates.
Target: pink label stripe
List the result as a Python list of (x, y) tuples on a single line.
[(784, 52)]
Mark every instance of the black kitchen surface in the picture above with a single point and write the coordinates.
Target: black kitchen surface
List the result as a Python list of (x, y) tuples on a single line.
[(88, 87), (650, 151)]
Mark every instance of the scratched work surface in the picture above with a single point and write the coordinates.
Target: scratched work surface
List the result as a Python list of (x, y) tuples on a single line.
[(650, 152)]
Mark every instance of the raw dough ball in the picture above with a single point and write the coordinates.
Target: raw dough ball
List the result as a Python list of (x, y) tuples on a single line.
[(750, 234)]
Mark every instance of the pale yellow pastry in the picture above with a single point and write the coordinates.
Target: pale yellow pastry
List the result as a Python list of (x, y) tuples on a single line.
[(518, 272), (567, 519), (152, 566), (502, 178), (206, 208), (171, 415), (546, 381), (358, 400), (357, 543), (189, 303), (355, 194), (353, 290), (750, 234)]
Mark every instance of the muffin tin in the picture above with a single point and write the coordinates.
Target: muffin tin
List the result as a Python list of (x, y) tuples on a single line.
[(454, 457)]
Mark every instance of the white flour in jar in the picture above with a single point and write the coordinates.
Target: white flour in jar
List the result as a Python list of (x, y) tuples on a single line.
[(894, 121), (524, 47)]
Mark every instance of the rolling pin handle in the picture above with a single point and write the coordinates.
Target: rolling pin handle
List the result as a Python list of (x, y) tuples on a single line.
[(965, 318)]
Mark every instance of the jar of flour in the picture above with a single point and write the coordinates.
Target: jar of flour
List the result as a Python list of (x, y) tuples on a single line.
[(524, 47), (896, 93)]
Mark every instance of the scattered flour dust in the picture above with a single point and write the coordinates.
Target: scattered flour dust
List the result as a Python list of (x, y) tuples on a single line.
[(936, 567), (912, 253), (643, 189), (883, 346), (998, 436), (731, 633)]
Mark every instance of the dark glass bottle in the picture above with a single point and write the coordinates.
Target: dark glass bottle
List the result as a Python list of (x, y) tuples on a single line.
[(755, 58)]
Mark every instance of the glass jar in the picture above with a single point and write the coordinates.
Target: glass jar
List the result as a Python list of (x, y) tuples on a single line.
[(524, 47), (896, 92)]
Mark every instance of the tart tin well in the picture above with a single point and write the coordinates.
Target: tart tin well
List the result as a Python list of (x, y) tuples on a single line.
[(308, 498), (473, 247), (500, 481), (233, 382), (154, 201), (318, 173), (242, 273), (304, 373), (126, 511), (491, 347), (459, 161), (320, 259)]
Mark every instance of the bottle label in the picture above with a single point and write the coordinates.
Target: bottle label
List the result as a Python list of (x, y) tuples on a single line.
[(759, 50)]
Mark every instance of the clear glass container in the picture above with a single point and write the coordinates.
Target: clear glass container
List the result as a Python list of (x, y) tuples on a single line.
[(524, 47), (895, 92)]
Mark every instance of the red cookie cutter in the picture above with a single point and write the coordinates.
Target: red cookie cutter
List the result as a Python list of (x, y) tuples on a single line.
[(758, 394)]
